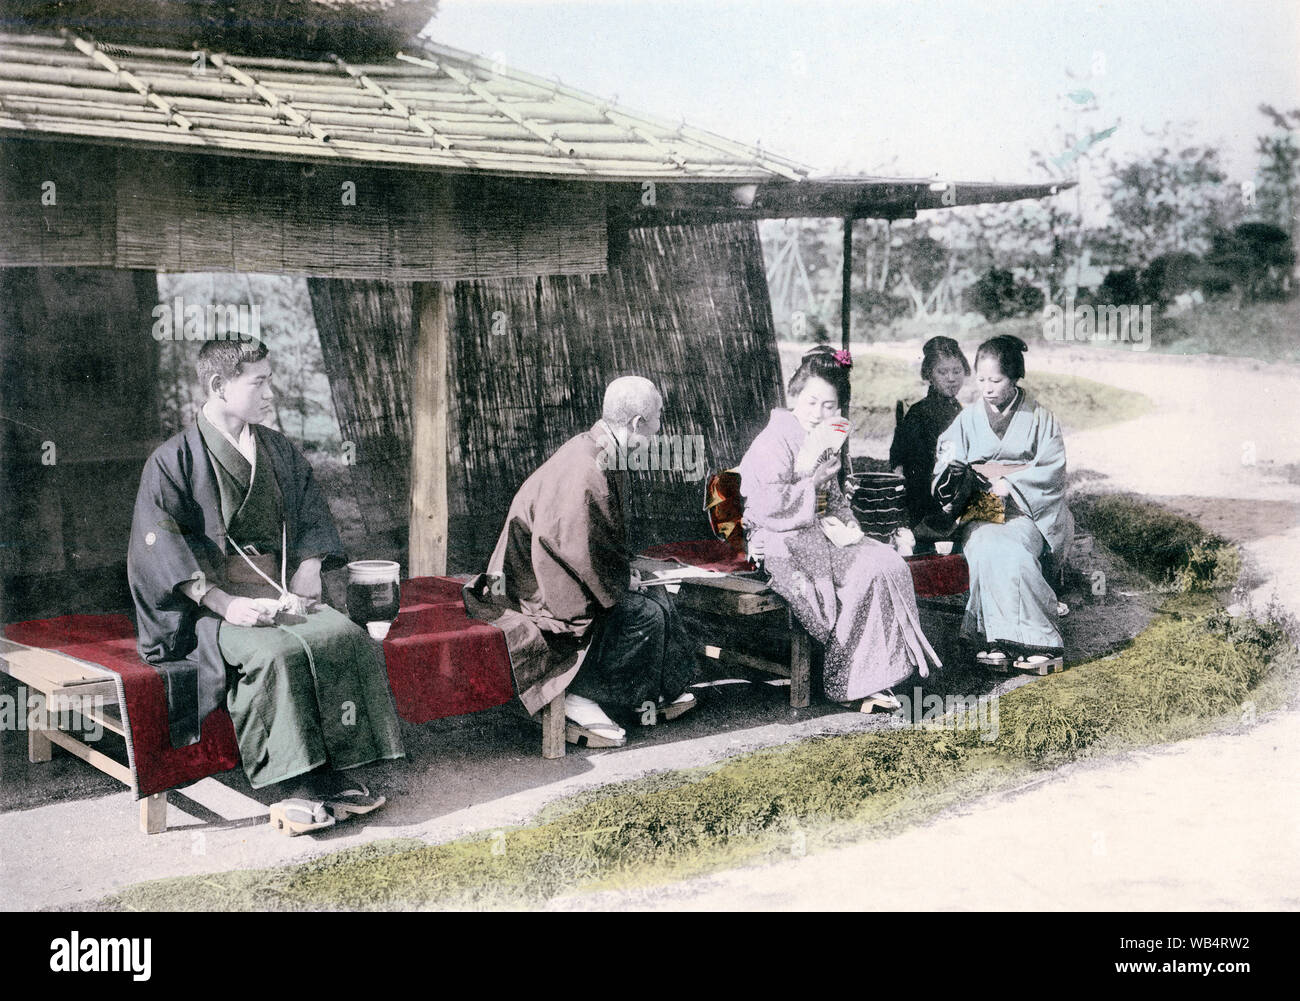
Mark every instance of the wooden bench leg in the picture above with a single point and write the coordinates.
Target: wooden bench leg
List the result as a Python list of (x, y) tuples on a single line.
[(153, 813), (553, 728), (800, 665), (39, 747)]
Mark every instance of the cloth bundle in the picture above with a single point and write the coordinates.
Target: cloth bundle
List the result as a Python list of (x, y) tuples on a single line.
[(726, 509), (965, 494)]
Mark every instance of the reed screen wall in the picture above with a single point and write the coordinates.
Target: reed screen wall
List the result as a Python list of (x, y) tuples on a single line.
[(686, 306)]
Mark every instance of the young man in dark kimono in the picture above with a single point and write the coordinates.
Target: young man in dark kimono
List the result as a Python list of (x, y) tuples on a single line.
[(564, 563), (227, 516)]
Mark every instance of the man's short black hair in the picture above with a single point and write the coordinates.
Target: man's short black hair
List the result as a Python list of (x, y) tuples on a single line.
[(227, 359)]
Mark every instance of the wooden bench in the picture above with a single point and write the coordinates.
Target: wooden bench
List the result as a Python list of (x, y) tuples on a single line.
[(738, 615), (732, 604), (59, 685)]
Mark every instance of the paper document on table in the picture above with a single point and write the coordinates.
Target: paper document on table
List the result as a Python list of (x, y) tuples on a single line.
[(672, 579)]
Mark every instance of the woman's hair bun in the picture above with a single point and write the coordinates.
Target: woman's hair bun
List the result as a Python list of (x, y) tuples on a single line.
[(1009, 350)]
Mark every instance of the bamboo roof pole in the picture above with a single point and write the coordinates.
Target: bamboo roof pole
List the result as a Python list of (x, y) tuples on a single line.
[(846, 277), (427, 544), (129, 79), (274, 102)]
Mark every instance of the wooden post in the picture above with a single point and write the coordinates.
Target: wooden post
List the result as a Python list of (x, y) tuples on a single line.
[(427, 549), (800, 664), (553, 728), (39, 746), (153, 813), (846, 281)]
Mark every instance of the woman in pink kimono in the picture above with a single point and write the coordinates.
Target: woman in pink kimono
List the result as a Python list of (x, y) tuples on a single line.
[(854, 595), (1015, 443)]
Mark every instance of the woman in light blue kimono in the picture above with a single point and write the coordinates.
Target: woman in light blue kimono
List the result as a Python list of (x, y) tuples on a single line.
[(1016, 442), (853, 594)]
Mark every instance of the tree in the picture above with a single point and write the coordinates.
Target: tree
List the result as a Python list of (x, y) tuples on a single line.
[(1170, 200), (1255, 258), (999, 296), (1277, 196)]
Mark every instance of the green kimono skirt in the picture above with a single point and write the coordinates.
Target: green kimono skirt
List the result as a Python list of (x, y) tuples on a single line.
[(306, 695)]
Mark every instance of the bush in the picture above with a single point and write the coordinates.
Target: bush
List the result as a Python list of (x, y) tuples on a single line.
[(1255, 258), (1168, 276), (999, 296)]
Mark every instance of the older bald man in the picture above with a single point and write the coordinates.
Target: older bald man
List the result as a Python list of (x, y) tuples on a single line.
[(564, 564)]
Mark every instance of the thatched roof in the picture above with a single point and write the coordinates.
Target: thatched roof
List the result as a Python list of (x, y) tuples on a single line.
[(428, 106), (252, 27)]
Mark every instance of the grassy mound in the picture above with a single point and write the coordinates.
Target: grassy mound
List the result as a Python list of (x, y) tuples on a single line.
[(1185, 666), (1163, 546), (1264, 330)]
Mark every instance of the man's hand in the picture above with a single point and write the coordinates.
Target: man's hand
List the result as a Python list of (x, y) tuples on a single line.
[(634, 582), (247, 612), (306, 580)]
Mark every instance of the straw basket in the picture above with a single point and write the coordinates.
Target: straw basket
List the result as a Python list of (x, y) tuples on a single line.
[(877, 500)]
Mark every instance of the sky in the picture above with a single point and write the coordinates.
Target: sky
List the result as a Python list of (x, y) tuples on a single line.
[(953, 89)]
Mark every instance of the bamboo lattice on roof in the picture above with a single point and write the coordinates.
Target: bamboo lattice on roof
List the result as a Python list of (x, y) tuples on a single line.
[(436, 108)]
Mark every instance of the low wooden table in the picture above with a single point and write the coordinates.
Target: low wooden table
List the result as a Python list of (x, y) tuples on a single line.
[(732, 602), (57, 685)]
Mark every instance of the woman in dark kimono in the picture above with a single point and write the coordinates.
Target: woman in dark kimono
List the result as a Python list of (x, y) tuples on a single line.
[(854, 595), (1015, 443), (911, 455)]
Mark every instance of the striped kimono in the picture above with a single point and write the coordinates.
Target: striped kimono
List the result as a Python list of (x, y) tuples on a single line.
[(1010, 599)]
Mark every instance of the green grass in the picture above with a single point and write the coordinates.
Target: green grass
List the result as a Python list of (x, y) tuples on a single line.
[(1163, 546), (1182, 674), (1264, 330), (879, 381)]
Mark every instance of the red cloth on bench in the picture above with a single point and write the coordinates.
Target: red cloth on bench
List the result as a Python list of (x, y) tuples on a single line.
[(933, 576), (440, 663), (109, 641)]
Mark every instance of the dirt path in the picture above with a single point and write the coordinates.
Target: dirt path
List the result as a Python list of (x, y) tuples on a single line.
[(1208, 824)]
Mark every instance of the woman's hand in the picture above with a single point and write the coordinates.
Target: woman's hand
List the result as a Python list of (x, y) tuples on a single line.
[(827, 471), (1001, 488)]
